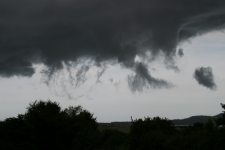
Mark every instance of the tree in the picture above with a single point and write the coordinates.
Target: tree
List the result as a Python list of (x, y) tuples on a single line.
[(16, 133), (82, 128), (46, 126), (48, 122), (150, 133), (209, 125), (221, 120)]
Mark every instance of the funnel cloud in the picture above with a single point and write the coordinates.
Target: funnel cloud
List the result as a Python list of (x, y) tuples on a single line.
[(63, 33)]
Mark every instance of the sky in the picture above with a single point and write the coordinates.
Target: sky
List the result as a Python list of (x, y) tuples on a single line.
[(116, 59)]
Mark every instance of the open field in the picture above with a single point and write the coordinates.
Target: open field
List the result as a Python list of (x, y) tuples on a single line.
[(124, 129)]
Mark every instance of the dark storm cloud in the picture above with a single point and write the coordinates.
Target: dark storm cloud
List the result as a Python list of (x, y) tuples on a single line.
[(143, 79), (180, 52), (204, 76), (57, 32), (17, 64)]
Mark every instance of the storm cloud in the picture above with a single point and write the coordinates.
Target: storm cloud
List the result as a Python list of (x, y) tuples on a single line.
[(143, 79), (204, 76), (180, 52), (58, 33)]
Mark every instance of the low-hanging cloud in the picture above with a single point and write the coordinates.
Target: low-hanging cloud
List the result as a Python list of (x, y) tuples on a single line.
[(180, 52), (58, 32), (204, 76), (143, 79)]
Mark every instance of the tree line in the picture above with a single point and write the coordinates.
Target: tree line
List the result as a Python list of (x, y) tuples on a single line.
[(45, 125)]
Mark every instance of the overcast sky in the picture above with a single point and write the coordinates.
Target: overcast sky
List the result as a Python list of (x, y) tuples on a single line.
[(116, 59)]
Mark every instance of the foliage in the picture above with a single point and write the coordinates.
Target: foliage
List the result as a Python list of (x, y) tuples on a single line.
[(150, 133), (16, 133), (221, 121), (46, 126), (113, 139), (121, 128)]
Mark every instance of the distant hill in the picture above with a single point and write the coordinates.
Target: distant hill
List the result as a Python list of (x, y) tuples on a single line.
[(194, 119), (186, 121)]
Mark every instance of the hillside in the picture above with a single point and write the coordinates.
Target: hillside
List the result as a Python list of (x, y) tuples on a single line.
[(186, 121), (194, 119)]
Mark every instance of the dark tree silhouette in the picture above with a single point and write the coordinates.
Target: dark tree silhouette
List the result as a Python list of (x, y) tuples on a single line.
[(221, 120), (46, 126), (150, 133)]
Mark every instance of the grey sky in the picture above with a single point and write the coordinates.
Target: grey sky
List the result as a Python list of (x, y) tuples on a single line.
[(74, 44), (109, 103)]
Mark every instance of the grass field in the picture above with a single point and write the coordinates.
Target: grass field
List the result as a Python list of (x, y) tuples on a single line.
[(125, 129)]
